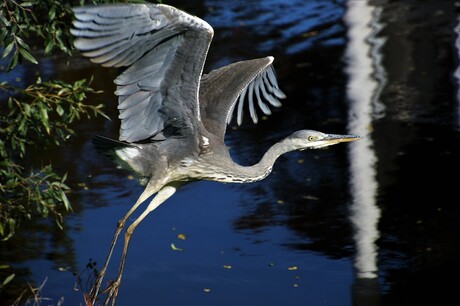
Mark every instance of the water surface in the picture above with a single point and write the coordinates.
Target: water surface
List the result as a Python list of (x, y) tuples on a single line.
[(374, 223)]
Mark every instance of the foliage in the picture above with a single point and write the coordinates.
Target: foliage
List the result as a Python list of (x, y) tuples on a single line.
[(36, 115), (39, 115), (44, 19)]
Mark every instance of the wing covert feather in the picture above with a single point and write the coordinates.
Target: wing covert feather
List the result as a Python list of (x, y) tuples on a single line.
[(159, 87)]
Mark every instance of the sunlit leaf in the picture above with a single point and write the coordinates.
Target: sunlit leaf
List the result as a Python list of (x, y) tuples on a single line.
[(27, 55), (49, 46), (64, 198), (52, 13), (11, 227), (4, 21), (59, 110), (21, 42), (26, 109), (8, 279), (63, 91), (8, 49)]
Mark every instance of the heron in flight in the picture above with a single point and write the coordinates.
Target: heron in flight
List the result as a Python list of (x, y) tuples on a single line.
[(174, 117)]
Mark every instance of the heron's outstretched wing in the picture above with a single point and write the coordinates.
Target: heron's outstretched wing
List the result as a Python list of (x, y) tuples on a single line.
[(164, 50), (225, 90)]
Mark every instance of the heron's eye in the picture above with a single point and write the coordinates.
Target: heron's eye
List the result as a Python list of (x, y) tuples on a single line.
[(311, 138)]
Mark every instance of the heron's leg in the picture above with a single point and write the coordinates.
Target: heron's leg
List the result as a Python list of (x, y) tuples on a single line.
[(162, 195), (120, 225)]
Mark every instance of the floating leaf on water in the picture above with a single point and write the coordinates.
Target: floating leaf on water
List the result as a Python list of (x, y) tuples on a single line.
[(227, 266), (280, 202), (310, 197), (207, 290), (174, 248), (293, 268), (181, 236), (130, 177), (309, 34)]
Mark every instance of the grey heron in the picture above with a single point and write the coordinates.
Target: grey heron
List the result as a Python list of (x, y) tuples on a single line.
[(174, 117)]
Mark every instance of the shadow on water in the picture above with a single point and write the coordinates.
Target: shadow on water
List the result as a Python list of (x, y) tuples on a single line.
[(369, 223)]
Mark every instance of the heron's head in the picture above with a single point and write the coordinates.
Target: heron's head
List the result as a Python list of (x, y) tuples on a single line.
[(308, 139)]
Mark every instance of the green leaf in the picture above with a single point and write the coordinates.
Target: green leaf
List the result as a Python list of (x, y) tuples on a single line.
[(64, 198), (8, 279), (63, 91), (8, 49), (27, 55), (3, 33), (49, 46), (26, 4), (59, 110), (5, 21), (13, 62), (12, 225), (22, 126), (26, 109), (52, 13), (10, 183), (21, 42)]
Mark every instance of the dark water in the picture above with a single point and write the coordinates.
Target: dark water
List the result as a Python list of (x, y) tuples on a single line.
[(368, 223)]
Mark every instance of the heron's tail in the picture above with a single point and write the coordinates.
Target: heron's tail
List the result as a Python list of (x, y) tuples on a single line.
[(107, 146)]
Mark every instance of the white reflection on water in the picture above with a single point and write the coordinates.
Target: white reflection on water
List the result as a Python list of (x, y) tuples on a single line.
[(366, 79), (457, 71)]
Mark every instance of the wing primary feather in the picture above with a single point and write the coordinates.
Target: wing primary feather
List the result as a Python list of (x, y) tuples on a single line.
[(262, 105), (239, 118), (272, 100), (278, 93), (252, 110)]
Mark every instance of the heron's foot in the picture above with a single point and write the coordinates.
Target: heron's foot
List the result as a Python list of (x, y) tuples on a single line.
[(112, 290), (95, 290)]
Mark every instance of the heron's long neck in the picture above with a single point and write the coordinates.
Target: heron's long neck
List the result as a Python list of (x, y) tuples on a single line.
[(263, 168)]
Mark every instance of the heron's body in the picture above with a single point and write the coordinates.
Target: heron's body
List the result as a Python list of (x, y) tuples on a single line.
[(174, 117)]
